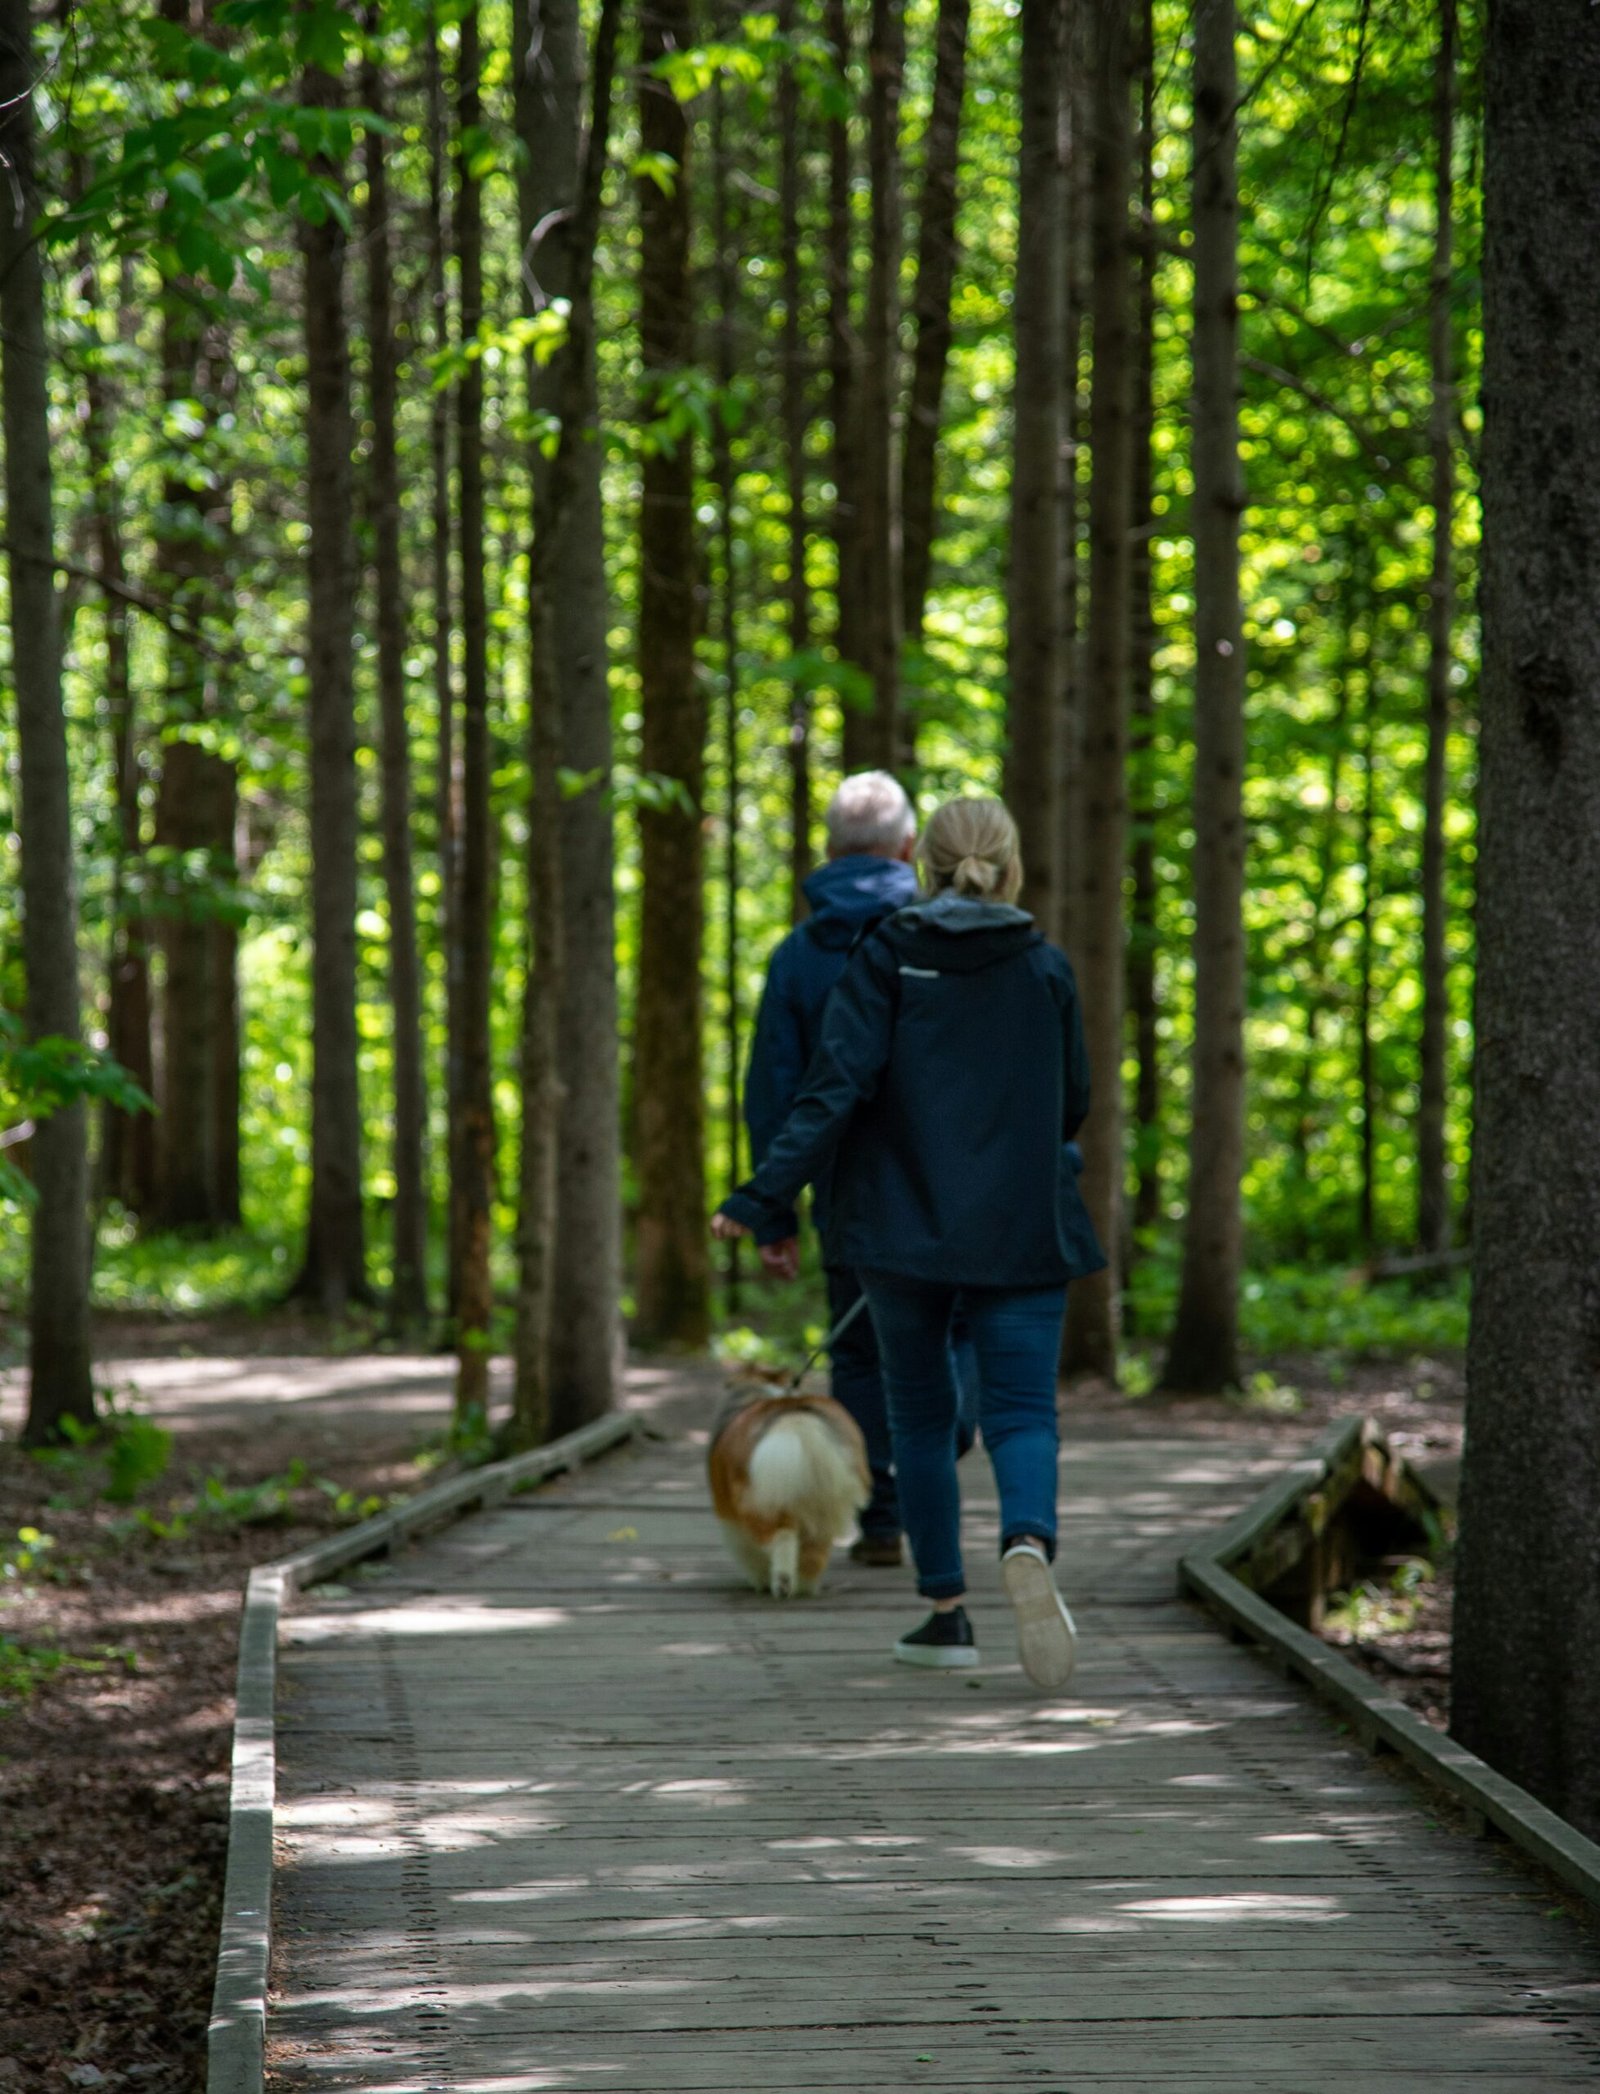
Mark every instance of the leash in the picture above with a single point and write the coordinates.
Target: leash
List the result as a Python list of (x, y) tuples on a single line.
[(827, 1343)]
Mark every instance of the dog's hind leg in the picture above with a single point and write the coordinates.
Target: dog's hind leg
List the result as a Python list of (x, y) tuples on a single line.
[(814, 1556), (784, 1556), (750, 1556)]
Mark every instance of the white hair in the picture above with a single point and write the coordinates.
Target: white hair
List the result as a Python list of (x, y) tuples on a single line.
[(869, 813)]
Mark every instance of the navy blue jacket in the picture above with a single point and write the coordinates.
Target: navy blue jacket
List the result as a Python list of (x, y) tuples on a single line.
[(846, 896), (950, 1076)]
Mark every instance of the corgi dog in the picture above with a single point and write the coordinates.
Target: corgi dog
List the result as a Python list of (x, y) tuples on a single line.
[(787, 1474)]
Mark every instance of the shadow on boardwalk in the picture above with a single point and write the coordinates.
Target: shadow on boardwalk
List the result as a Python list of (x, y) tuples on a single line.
[(564, 1809)]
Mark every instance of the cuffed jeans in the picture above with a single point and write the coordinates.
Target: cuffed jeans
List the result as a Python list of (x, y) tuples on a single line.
[(1016, 1340), (857, 1383)]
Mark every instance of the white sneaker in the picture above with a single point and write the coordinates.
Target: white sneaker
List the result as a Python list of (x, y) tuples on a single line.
[(1047, 1642)]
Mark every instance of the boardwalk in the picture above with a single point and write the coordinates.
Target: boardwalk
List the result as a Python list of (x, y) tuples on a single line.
[(563, 1811)]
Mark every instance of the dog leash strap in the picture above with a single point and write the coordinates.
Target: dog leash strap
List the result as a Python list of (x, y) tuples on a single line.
[(830, 1340)]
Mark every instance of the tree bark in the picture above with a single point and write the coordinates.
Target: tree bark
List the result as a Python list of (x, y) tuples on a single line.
[(60, 1380), (1433, 1186), (878, 547), (844, 407), (473, 1146), (1074, 224), (1142, 934), (796, 429), (1204, 1351), (1093, 1318), (334, 1273), (570, 1220), (1528, 1582), (408, 1299), (1033, 775), (673, 1297), (725, 477), (936, 270)]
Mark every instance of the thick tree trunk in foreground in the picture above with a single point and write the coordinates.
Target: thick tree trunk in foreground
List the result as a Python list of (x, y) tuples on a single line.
[(60, 1383), (1142, 934), (335, 1270), (473, 1145), (1433, 1188), (408, 1300), (796, 428), (1204, 1351), (673, 1291), (1073, 267), (1033, 711), (1525, 1694), (570, 1233), (878, 548), (930, 305), (1093, 1320)]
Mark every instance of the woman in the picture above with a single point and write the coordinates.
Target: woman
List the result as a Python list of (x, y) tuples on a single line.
[(950, 1075)]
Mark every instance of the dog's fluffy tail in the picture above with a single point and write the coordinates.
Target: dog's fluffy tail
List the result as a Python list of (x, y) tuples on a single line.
[(800, 1470)]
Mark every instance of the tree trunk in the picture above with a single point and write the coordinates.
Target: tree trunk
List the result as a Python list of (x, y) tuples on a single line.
[(1142, 937), (796, 428), (673, 1299), (844, 406), (473, 1145), (60, 1381), (724, 475), (878, 547), (1204, 1352), (408, 1300), (127, 1139), (335, 1269), (1433, 1189), (1073, 266), (936, 270), (1528, 1581), (1033, 708), (568, 1335), (1366, 1218), (1092, 1321)]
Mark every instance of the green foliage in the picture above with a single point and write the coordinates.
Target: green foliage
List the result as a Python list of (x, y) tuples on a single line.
[(1299, 1309), (121, 1454), (27, 1555), (1386, 1607)]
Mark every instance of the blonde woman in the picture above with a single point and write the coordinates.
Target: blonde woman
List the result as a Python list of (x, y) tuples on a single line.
[(950, 1075)]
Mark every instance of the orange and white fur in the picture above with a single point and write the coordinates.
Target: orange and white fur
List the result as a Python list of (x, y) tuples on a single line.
[(787, 1475)]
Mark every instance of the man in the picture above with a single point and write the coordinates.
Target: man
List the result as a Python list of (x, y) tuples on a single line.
[(872, 836)]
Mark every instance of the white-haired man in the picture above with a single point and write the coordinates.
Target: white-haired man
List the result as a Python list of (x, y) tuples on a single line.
[(872, 835)]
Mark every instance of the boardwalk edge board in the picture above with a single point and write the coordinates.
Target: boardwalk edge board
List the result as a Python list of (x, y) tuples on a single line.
[(236, 2040), (1382, 1721)]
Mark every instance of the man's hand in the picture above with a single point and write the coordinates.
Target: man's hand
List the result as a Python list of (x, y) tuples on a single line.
[(781, 1261), (726, 1229)]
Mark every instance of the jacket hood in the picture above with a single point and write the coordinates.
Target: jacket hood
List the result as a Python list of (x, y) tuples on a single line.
[(959, 934), (846, 893)]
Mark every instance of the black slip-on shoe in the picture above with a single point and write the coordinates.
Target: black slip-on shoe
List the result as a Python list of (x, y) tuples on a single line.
[(944, 1642)]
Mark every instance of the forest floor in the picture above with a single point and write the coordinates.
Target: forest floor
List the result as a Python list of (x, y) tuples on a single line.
[(118, 1626)]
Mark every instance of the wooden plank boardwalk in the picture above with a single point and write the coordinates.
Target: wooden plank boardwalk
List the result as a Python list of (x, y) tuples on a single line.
[(563, 1809)]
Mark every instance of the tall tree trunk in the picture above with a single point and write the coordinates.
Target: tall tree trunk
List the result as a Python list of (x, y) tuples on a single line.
[(335, 1269), (570, 1222), (1142, 936), (723, 235), (473, 1147), (878, 548), (447, 783), (844, 408), (1366, 1209), (796, 428), (1033, 774), (1528, 1582), (673, 1298), (60, 1383), (127, 1139), (1433, 1189), (936, 270), (408, 1299), (1092, 1321), (1204, 1352), (1073, 267)]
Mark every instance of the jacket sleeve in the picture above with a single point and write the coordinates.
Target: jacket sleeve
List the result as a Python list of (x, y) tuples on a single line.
[(1075, 1062), (777, 1064), (857, 1032)]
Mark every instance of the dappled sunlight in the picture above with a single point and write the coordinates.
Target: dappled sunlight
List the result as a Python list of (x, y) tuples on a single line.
[(449, 1618), (1256, 1906)]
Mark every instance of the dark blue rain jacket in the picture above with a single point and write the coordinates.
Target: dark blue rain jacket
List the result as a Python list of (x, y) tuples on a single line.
[(949, 1078), (847, 895)]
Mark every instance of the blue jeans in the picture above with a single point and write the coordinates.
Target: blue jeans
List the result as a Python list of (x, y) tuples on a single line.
[(1016, 1338), (857, 1383)]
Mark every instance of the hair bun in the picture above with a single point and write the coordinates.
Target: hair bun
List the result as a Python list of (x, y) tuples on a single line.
[(976, 875)]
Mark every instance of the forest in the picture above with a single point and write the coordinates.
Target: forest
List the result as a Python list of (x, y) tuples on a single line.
[(479, 473)]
